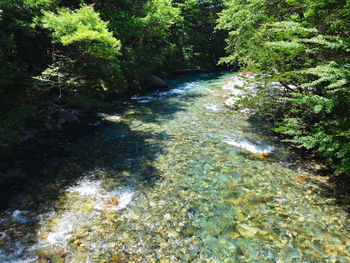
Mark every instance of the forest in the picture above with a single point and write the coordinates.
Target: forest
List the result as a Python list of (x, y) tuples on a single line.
[(80, 52)]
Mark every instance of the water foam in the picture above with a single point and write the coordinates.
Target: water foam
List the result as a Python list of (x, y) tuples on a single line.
[(250, 147), (113, 118), (61, 233), (87, 191), (171, 92), (86, 188)]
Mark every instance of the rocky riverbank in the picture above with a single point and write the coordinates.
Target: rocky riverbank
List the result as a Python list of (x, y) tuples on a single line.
[(238, 87), (246, 85)]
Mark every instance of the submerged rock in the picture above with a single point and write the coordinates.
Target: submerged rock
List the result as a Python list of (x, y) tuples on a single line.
[(299, 179), (246, 231), (263, 156), (112, 201)]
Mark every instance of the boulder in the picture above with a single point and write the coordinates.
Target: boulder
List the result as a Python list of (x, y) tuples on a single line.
[(154, 83)]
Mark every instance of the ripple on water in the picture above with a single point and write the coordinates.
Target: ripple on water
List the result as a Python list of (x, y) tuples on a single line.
[(158, 95), (170, 92)]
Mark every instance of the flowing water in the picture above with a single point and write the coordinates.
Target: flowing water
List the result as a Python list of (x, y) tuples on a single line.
[(176, 177)]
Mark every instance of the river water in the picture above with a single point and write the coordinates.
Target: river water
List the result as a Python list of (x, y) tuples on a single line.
[(177, 177)]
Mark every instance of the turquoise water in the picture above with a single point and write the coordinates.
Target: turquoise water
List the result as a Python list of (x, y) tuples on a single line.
[(177, 177)]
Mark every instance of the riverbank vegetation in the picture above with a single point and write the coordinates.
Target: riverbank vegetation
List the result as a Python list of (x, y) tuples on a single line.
[(79, 52), (305, 46)]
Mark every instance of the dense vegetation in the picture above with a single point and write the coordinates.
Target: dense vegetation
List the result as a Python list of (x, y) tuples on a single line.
[(78, 51), (305, 45)]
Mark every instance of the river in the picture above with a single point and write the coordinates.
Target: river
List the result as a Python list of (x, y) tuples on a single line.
[(176, 177)]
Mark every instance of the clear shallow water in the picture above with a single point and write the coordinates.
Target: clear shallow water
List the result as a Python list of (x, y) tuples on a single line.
[(175, 177)]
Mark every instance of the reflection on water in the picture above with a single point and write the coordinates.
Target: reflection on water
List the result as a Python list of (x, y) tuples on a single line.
[(175, 177)]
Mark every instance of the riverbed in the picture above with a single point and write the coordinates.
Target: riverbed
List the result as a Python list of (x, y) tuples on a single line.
[(175, 176)]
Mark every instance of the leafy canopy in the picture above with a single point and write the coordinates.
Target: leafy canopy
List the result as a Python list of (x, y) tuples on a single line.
[(82, 26)]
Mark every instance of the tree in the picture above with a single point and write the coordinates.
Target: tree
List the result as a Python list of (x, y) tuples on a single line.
[(84, 52), (304, 43)]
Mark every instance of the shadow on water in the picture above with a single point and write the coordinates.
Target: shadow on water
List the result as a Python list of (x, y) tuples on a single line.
[(115, 152), (122, 151), (113, 147)]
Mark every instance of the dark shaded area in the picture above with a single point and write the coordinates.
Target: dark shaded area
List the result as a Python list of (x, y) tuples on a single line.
[(109, 149)]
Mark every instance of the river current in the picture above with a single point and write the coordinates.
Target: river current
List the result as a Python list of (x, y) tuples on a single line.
[(175, 176)]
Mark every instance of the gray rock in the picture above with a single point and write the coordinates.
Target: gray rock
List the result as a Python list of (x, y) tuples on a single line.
[(69, 117), (154, 82)]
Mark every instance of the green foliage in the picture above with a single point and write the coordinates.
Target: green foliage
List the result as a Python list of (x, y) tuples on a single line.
[(202, 45), (145, 30), (84, 55), (83, 28), (154, 43), (80, 50), (305, 46), (163, 36)]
